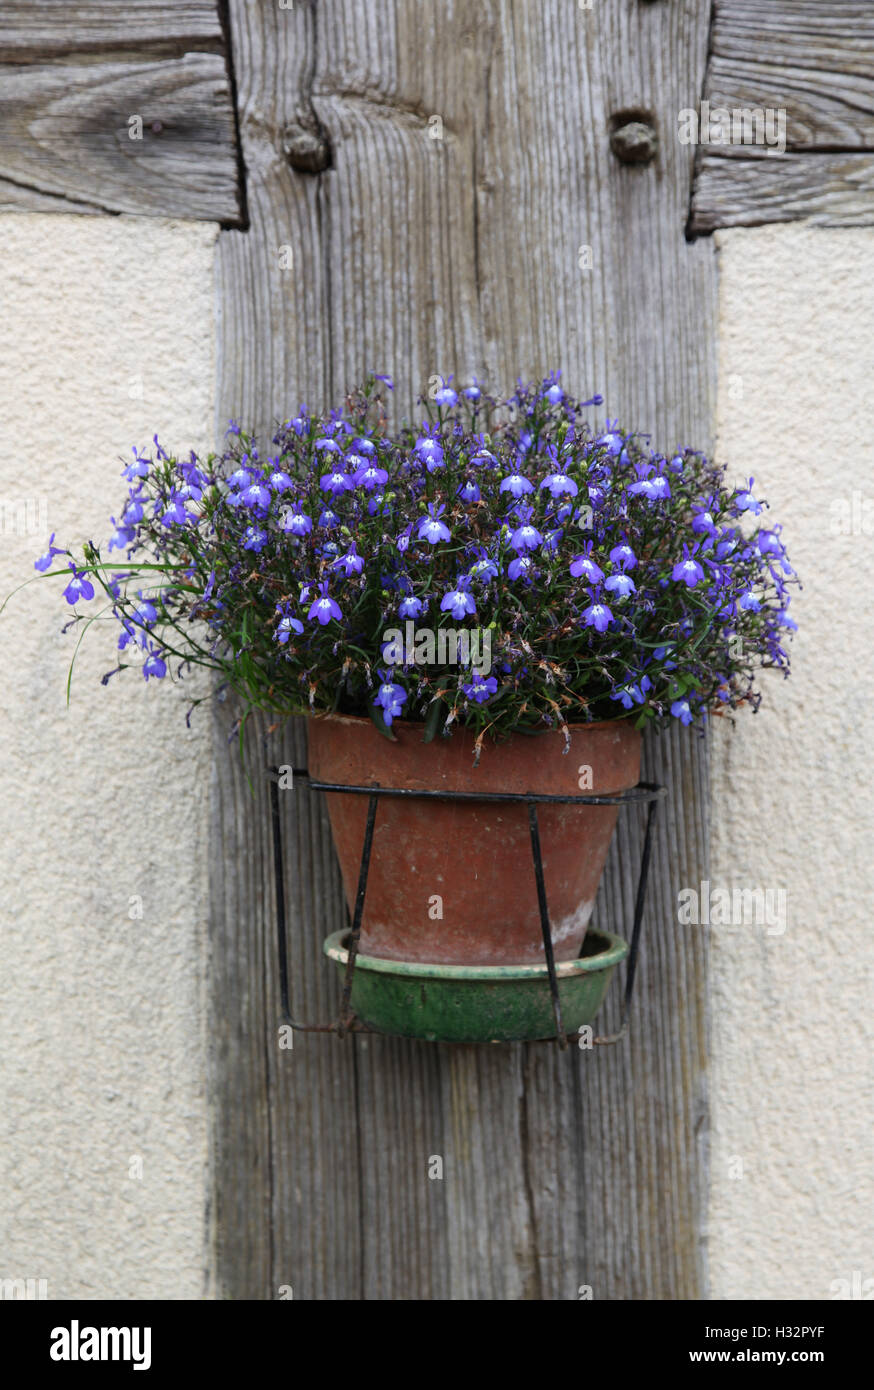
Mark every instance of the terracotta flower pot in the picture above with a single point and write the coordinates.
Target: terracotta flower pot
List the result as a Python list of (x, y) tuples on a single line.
[(452, 883)]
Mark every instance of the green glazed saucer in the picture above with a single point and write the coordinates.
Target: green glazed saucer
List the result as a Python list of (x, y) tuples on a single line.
[(478, 1003)]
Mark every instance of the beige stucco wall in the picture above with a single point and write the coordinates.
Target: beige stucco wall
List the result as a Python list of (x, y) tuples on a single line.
[(106, 335), (792, 1197)]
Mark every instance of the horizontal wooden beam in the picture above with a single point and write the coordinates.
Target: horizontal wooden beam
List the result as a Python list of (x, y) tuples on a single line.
[(29, 31), (833, 190), (151, 136), (812, 65)]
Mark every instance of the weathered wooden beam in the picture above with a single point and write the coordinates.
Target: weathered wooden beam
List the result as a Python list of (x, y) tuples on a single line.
[(832, 190), (466, 168), (155, 136), (814, 64), (30, 32)]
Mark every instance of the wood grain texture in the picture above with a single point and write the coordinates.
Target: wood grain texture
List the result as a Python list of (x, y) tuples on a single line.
[(414, 255), (66, 137), (31, 30), (815, 62), (831, 190)]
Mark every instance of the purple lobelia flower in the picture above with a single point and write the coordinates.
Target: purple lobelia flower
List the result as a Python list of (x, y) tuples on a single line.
[(583, 566), (410, 607), (44, 561), (445, 395), (598, 616), (620, 584), (611, 439), (335, 483), (296, 522), (390, 698), (80, 586), (517, 485), (286, 626), (369, 477), (623, 556), (154, 665), (255, 538), (521, 567), (350, 563), (480, 688), (687, 571), (324, 608), (526, 536), (431, 528), (459, 602), (559, 484), (256, 495), (680, 710)]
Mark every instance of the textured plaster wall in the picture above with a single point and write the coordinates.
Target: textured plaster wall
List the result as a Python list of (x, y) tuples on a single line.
[(792, 1199), (106, 335)]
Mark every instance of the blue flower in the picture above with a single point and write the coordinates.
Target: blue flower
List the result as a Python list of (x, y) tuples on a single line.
[(748, 602), (80, 586), (431, 529), (632, 693), (175, 514), (334, 483), (351, 562), (479, 689), (256, 495), (285, 627), (445, 396), (410, 607), (296, 522), (122, 537), (516, 484), (746, 502), (611, 439), (522, 565), (324, 608), (138, 469), (583, 567), (526, 536), (484, 567), (390, 698), (680, 710), (280, 481), (145, 614), (370, 477), (459, 602), (473, 391), (624, 557), (687, 570), (154, 665), (559, 483), (621, 585), (430, 451), (45, 560), (598, 616), (469, 491), (255, 539)]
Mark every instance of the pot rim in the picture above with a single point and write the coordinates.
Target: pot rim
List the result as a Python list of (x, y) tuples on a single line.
[(326, 716), (615, 951)]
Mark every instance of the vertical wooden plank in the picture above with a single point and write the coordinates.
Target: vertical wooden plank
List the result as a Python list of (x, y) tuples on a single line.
[(417, 255)]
